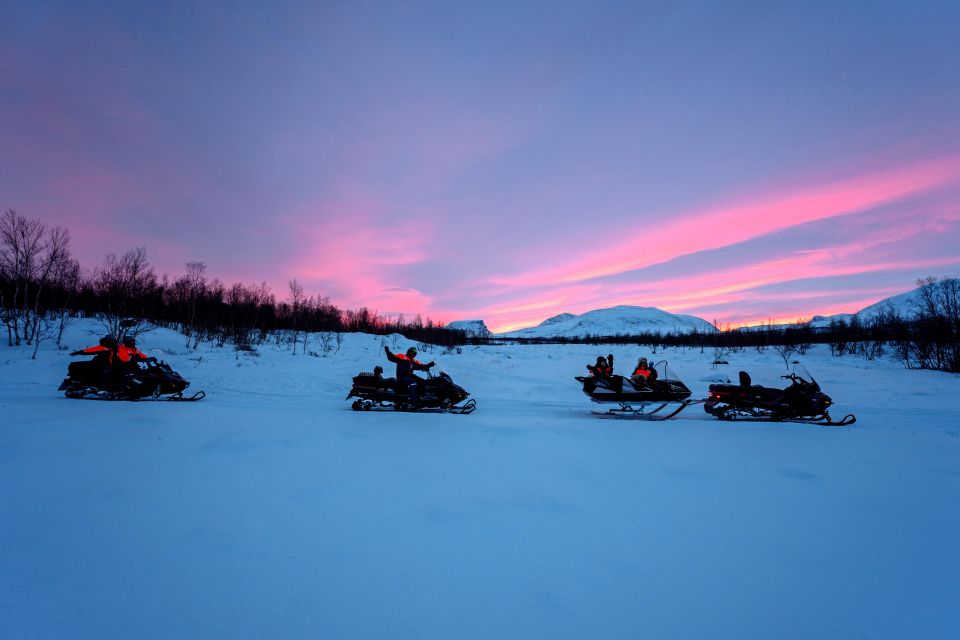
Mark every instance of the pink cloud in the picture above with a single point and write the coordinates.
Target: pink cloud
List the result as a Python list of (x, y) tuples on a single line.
[(722, 225), (876, 252), (355, 250)]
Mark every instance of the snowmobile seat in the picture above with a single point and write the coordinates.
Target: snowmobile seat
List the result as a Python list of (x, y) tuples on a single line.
[(89, 371)]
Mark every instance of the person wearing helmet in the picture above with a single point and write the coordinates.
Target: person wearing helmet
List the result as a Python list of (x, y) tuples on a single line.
[(104, 356), (644, 374), (128, 352), (406, 365), (603, 368), (107, 346)]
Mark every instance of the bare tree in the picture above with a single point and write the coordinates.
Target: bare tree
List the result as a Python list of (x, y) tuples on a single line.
[(194, 284), (719, 356), (296, 309), (123, 282), (21, 242), (31, 257), (69, 281), (785, 351)]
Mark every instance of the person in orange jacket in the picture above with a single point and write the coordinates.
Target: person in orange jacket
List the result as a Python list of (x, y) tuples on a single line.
[(406, 365), (603, 369), (107, 346), (643, 375), (103, 359), (128, 352)]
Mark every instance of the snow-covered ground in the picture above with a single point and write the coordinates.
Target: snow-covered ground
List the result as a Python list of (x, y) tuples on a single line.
[(270, 510)]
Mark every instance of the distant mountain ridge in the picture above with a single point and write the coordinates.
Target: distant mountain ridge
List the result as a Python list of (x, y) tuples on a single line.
[(905, 304), (627, 320), (620, 320), (473, 328)]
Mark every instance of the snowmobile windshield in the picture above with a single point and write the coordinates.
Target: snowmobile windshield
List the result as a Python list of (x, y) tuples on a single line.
[(801, 372), (665, 371), (445, 377)]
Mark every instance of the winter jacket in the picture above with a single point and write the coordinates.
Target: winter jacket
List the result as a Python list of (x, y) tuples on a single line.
[(127, 354), (406, 366), (96, 350)]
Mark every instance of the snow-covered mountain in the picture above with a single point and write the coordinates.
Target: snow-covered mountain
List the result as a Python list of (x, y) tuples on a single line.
[(906, 304), (613, 321), (903, 303), (473, 328)]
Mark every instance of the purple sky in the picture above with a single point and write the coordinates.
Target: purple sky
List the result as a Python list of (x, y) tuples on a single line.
[(505, 161)]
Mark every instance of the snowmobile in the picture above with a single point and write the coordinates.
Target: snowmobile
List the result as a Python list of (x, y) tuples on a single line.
[(438, 394), (802, 401), (634, 399), (146, 380)]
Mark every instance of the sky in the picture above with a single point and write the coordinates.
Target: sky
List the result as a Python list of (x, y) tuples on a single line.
[(507, 161)]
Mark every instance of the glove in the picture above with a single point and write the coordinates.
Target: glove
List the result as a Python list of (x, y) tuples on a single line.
[(152, 360), (431, 364)]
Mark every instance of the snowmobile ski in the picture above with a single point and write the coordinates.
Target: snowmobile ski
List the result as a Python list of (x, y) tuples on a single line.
[(740, 415), (91, 393), (373, 405)]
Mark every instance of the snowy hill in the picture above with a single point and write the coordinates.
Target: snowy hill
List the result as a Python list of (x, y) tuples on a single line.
[(473, 328), (903, 303), (613, 321)]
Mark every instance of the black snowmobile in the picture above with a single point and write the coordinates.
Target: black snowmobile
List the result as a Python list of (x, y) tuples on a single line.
[(147, 380), (634, 399), (802, 401), (438, 394)]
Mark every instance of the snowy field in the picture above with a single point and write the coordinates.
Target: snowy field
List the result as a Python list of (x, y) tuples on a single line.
[(270, 510)]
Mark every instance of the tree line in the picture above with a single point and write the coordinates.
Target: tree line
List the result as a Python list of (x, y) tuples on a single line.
[(43, 289)]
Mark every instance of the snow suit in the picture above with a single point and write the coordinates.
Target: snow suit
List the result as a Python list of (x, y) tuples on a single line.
[(100, 370), (602, 369), (406, 380), (130, 354), (643, 375)]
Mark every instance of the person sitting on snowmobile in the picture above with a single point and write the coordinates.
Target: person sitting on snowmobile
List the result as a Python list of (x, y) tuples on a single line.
[(406, 365), (382, 383), (105, 349), (603, 369), (128, 352), (643, 375), (101, 367)]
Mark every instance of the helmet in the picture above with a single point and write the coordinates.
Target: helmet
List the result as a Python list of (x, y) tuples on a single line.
[(108, 341), (129, 341), (642, 362), (411, 352)]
